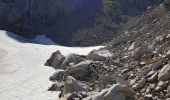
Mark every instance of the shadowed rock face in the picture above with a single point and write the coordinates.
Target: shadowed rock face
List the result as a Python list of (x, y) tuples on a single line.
[(61, 19)]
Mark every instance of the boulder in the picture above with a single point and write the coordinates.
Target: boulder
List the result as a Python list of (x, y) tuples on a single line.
[(71, 86), (56, 86), (59, 75), (72, 59), (79, 69), (99, 55), (55, 60), (116, 92), (164, 73)]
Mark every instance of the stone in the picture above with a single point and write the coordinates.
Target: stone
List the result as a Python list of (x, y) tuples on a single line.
[(132, 46), (55, 60), (107, 80), (150, 73), (168, 54), (71, 86), (153, 77), (99, 55), (56, 86), (157, 65), (72, 59), (164, 73), (139, 52), (168, 91), (148, 97), (116, 92), (161, 85), (80, 69), (140, 84), (59, 75)]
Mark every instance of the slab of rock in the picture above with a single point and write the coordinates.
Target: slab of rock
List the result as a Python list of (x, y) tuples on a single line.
[(164, 73), (55, 60), (72, 58), (79, 69), (59, 75), (116, 92), (56, 86), (99, 55), (71, 86)]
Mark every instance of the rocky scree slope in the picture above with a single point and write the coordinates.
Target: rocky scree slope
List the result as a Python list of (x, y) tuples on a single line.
[(70, 22), (134, 66)]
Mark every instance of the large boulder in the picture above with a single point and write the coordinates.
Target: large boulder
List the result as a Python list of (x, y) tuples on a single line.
[(79, 69), (71, 86), (72, 59), (164, 73), (55, 60), (116, 92), (99, 55)]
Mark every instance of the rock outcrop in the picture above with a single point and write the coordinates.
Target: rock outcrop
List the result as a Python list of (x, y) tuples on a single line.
[(70, 22)]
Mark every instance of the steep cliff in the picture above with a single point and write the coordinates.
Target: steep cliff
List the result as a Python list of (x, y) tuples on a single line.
[(65, 21)]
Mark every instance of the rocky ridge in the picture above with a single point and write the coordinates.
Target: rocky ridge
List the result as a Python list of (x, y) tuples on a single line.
[(70, 22), (133, 66)]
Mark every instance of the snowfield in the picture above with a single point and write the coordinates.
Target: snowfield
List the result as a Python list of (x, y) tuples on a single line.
[(23, 75)]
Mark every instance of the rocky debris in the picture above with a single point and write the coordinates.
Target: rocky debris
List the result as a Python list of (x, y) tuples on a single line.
[(99, 55), (55, 60), (138, 59), (164, 73)]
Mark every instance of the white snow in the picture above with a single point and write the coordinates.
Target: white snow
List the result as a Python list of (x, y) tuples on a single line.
[(23, 75)]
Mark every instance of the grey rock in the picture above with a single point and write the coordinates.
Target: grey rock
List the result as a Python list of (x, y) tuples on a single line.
[(164, 73), (140, 84), (116, 92), (71, 86), (59, 75), (168, 91), (72, 58), (132, 46), (55, 60), (99, 55), (56, 86), (153, 77), (79, 69), (148, 97)]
